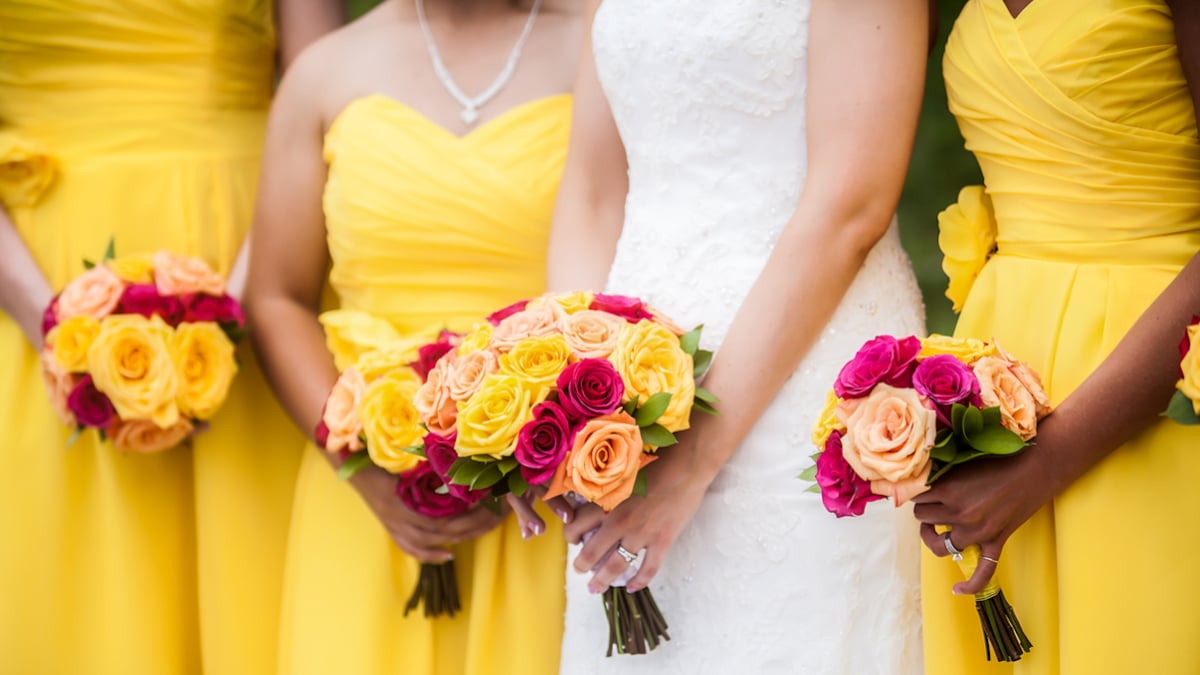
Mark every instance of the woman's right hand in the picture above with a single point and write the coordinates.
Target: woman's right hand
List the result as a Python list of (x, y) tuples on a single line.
[(423, 538)]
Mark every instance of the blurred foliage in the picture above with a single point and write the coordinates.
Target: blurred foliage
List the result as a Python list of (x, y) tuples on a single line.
[(940, 167)]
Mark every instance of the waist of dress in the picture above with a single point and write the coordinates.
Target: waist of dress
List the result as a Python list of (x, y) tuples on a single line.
[(1174, 250)]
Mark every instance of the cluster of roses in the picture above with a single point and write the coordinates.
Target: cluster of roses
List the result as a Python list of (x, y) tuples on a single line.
[(902, 412), (1185, 406), (572, 390), (141, 348)]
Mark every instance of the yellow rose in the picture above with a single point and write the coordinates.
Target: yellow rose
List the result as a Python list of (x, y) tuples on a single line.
[(390, 421), (27, 170), (573, 302), (967, 237), (1190, 383), (349, 334), (71, 340), (130, 361), (650, 360), (145, 437), (477, 340), (395, 354), (134, 269), (537, 362), (488, 423), (967, 350), (889, 435), (828, 422), (206, 365)]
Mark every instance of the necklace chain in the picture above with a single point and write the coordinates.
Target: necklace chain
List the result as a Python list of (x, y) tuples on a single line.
[(471, 105)]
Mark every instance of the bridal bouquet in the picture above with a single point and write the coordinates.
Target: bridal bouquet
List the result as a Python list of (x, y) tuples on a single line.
[(1185, 406), (576, 392), (370, 418), (141, 348), (906, 411)]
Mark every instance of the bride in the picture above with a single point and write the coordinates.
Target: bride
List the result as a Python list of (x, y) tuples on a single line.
[(738, 164)]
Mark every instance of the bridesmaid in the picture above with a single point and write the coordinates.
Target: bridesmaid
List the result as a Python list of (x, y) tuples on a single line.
[(428, 211), (1081, 116), (137, 121)]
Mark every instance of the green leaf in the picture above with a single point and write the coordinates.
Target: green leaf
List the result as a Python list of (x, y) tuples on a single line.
[(102, 433), (997, 441), (701, 360), (88, 264), (464, 470), (957, 411), (418, 450), (945, 448), (506, 465), (517, 484), (74, 436), (654, 407), (972, 421), (991, 416), (639, 484), (658, 436), (1181, 409), (809, 474), (490, 475), (492, 505), (689, 342), (704, 407), (706, 395), (630, 406), (111, 251), (357, 461), (814, 488)]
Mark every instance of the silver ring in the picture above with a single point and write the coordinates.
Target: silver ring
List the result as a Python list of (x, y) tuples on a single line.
[(950, 548), (626, 554)]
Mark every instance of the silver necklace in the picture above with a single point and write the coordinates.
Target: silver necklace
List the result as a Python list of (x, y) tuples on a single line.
[(471, 105)]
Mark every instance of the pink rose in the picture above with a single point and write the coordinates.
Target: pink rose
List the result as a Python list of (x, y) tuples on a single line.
[(95, 293), (945, 380), (59, 384), (222, 309), (590, 388), (889, 435), (90, 407), (145, 300), (341, 418), (544, 442), (496, 317), (181, 275), (883, 359), (50, 317), (438, 410), (630, 309), (146, 436), (440, 452), (843, 492), (418, 489), (533, 322), (469, 371), (428, 355)]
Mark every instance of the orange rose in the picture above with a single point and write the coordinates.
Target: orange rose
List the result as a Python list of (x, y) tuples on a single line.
[(603, 463), (94, 293), (533, 322), (591, 334), (59, 384), (434, 403), (146, 436), (888, 438), (1000, 386), (177, 274), (341, 412), (469, 371), (1032, 382)]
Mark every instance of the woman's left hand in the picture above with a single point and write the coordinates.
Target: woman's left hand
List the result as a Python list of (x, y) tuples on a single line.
[(675, 486), (984, 502)]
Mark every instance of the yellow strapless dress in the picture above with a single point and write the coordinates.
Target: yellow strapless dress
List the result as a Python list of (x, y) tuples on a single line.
[(1081, 120), (151, 113), (425, 230)]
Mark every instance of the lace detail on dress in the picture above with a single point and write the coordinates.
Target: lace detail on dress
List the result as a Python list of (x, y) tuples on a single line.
[(709, 99)]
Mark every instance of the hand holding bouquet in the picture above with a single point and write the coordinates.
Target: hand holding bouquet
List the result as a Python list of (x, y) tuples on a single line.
[(141, 348), (906, 411), (1185, 405), (574, 392)]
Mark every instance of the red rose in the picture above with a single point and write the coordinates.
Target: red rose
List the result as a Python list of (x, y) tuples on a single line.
[(418, 489), (221, 309), (145, 300), (50, 317), (496, 317), (630, 309), (89, 405)]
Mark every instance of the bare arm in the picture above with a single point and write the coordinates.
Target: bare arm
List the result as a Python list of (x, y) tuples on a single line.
[(301, 22), (24, 291), (591, 199), (985, 504), (866, 74)]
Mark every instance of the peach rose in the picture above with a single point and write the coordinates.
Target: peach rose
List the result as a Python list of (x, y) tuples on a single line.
[(341, 412), (59, 384), (469, 371), (1000, 386), (603, 463), (177, 275), (1029, 377), (94, 293), (145, 436), (665, 321), (533, 322), (438, 410), (591, 334), (888, 438)]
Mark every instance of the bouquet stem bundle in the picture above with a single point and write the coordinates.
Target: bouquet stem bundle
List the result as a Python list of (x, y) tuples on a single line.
[(635, 624), (437, 590), (1002, 632)]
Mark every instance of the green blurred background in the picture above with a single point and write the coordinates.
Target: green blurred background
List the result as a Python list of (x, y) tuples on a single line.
[(940, 167)]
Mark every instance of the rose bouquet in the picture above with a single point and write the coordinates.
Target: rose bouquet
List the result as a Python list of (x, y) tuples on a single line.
[(370, 418), (1185, 405), (575, 392), (141, 348), (903, 413)]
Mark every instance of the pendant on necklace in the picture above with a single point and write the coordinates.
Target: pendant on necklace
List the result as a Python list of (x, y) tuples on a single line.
[(469, 115)]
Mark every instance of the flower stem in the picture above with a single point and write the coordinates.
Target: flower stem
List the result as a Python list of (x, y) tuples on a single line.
[(635, 624), (437, 590)]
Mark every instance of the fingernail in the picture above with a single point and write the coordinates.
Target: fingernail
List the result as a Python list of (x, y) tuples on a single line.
[(594, 589), (538, 528), (525, 533), (631, 588), (565, 518), (955, 591)]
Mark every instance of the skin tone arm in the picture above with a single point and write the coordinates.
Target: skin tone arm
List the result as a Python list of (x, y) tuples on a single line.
[(300, 22), (866, 67), (986, 502), (287, 275), (24, 291)]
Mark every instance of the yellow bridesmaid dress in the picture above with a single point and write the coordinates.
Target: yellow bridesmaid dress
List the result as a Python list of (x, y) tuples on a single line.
[(1083, 125), (138, 120), (427, 230)]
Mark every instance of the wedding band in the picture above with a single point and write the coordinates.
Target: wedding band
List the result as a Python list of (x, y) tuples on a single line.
[(626, 554), (991, 560), (950, 548)]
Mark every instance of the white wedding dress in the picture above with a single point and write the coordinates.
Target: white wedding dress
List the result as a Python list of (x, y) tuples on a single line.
[(709, 97)]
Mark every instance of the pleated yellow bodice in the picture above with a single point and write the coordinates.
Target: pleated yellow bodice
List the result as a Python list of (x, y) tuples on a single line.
[(426, 230), (1083, 125)]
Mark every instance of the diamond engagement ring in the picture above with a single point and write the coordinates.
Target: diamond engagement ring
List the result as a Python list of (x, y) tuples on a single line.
[(950, 548), (626, 554)]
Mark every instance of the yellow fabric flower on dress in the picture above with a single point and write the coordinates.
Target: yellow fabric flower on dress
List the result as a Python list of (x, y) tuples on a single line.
[(27, 170), (349, 334), (1190, 383), (967, 237), (395, 354)]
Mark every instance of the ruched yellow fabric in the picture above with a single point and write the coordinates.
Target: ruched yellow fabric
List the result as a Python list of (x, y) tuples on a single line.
[(1081, 120), (138, 121), (426, 230)]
